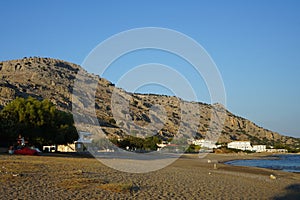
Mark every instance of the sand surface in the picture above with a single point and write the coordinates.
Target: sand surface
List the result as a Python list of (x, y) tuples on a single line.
[(69, 177)]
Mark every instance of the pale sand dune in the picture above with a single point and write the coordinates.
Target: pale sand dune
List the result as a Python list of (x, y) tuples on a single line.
[(51, 177)]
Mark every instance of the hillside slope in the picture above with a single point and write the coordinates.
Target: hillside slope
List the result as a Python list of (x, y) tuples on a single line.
[(53, 79)]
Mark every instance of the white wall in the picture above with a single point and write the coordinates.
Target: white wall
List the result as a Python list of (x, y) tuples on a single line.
[(242, 145)]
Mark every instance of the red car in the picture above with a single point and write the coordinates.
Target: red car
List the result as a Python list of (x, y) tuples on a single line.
[(26, 151)]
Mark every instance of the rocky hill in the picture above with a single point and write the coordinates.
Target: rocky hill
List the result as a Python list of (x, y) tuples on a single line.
[(54, 79)]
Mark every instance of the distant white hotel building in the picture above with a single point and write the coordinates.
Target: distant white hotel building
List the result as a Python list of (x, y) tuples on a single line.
[(259, 148), (205, 143), (246, 145), (277, 150), (242, 145)]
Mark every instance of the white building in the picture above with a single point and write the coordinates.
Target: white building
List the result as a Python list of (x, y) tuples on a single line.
[(277, 150), (162, 145), (66, 148), (205, 143), (259, 148), (245, 145), (51, 148), (242, 145)]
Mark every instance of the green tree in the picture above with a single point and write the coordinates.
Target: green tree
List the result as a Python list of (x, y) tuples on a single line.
[(148, 144), (193, 148), (7, 126), (39, 121)]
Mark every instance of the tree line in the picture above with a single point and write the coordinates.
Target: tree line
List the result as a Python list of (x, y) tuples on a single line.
[(39, 122)]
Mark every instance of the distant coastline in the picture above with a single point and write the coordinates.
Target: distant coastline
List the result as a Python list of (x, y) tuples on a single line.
[(284, 162)]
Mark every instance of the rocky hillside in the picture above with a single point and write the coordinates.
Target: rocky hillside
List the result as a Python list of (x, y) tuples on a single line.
[(54, 79)]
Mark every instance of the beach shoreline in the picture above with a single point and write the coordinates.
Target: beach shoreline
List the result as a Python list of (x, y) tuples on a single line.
[(189, 177)]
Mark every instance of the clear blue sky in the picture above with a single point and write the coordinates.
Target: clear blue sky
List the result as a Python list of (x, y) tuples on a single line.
[(255, 44)]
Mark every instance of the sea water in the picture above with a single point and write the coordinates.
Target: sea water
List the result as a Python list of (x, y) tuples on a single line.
[(284, 162)]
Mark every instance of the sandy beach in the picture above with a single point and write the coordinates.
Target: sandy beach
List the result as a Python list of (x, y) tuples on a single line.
[(69, 177)]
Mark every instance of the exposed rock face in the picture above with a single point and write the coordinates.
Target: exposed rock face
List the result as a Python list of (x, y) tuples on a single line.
[(37, 77), (54, 79)]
